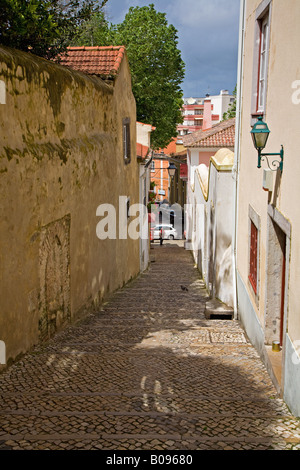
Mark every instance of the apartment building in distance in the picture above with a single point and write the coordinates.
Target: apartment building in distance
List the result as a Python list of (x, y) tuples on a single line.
[(194, 112)]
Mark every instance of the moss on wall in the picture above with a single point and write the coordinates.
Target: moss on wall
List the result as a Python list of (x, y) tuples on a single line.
[(54, 79)]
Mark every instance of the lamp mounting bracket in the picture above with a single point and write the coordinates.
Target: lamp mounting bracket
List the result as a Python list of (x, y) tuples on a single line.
[(275, 164)]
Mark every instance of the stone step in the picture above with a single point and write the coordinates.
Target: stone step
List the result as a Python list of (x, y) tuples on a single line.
[(85, 404), (214, 309), (115, 444), (140, 373), (147, 426)]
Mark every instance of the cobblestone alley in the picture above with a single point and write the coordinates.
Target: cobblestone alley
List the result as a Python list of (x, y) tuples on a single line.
[(148, 371)]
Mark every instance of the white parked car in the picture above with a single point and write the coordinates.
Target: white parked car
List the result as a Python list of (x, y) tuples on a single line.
[(169, 232)]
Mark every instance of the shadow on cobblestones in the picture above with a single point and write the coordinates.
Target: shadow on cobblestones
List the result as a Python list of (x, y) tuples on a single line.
[(148, 371)]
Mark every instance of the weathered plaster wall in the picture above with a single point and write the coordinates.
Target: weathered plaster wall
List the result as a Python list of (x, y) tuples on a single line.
[(211, 224), (60, 158)]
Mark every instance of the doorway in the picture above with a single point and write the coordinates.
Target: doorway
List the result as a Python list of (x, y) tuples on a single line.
[(277, 267), (275, 283), (283, 275)]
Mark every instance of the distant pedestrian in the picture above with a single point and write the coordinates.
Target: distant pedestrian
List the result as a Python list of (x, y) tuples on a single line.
[(161, 236)]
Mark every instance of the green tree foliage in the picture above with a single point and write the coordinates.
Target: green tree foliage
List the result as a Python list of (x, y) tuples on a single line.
[(157, 70), (232, 108), (44, 27), (95, 32), (156, 66)]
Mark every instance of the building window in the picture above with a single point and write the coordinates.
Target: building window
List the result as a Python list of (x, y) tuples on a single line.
[(261, 59), (254, 236), (152, 165), (262, 67), (128, 207), (126, 140)]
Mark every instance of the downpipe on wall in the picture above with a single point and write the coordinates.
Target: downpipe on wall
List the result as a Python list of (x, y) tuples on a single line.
[(235, 170)]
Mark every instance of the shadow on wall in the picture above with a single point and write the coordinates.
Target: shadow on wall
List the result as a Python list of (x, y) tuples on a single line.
[(212, 253), (224, 278)]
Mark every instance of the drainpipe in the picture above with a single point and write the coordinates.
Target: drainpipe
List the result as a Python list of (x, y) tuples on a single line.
[(235, 170)]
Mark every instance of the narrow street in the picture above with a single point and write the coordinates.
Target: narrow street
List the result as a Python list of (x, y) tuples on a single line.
[(148, 371)]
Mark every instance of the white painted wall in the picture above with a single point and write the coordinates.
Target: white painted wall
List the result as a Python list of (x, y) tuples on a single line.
[(144, 240), (143, 132), (209, 214), (221, 103)]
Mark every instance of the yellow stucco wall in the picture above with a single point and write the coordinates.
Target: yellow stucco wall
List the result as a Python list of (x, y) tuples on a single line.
[(61, 156)]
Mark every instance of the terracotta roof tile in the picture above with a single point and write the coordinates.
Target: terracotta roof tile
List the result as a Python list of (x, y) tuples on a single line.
[(142, 150), (220, 135), (103, 61)]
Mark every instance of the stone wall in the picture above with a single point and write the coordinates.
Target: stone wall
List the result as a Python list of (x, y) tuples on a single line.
[(61, 156)]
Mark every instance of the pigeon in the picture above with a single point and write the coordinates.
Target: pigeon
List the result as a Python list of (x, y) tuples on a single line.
[(184, 288)]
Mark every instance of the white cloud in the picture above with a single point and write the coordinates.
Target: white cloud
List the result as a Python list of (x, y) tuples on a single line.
[(207, 38), (206, 14)]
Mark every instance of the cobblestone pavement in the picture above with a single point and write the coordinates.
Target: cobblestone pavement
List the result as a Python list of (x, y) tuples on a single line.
[(147, 372)]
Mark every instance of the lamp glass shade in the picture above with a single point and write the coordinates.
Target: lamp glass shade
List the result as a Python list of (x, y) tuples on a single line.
[(260, 139), (260, 134), (171, 169)]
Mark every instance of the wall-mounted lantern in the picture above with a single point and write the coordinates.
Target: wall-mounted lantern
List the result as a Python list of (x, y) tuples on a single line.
[(260, 133), (171, 169)]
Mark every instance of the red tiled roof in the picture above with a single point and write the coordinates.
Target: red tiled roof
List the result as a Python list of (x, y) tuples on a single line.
[(144, 124), (103, 61), (142, 150), (220, 135)]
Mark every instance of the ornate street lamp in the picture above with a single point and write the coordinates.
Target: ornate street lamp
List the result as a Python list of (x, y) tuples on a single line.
[(171, 169), (260, 133)]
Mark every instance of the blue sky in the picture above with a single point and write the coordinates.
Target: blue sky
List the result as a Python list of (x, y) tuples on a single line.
[(207, 38)]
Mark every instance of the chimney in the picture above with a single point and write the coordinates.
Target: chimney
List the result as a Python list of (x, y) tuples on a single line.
[(207, 120)]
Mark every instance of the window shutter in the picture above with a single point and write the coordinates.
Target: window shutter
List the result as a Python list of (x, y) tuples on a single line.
[(253, 257)]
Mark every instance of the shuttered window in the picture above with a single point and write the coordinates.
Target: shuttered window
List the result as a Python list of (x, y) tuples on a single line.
[(261, 47), (253, 257)]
